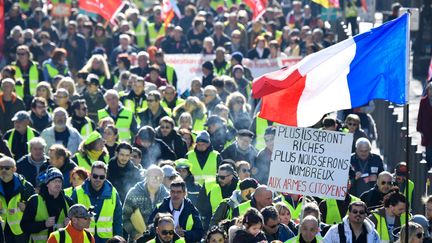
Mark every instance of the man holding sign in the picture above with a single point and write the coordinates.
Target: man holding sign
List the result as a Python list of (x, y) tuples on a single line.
[(310, 162)]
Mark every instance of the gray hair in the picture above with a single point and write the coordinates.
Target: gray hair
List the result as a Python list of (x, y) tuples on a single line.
[(362, 142), (37, 141)]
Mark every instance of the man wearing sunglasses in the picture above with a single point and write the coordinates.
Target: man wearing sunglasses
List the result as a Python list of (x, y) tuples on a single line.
[(374, 197), (356, 227), (165, 232), (14, 192), (79, 119), (273, 228), (99, 193)]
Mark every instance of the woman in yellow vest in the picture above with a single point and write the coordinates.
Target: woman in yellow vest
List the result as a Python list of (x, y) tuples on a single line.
[(46, 211), (77, 177), (90, 150), (98, 65), (56, 65)]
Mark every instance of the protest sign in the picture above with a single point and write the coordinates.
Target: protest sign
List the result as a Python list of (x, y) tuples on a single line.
[(310, 162), (188, 66)]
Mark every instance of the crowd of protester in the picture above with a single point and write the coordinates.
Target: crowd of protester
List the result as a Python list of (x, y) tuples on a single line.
[(98, 145)]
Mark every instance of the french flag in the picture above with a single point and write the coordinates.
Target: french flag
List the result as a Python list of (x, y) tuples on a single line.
[(371, 65)]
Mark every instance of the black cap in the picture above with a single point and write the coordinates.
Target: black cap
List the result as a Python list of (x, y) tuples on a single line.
[(245, 133), (208, 65), (248, 183)]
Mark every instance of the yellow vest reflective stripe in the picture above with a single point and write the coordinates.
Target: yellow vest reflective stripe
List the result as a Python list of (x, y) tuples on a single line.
[(104, 224), (13, 219), (170, 73), (140, 34), (68, 238), (333, 215), (30, 135), (243, 207), (153, 35), (42, 215), (33, 79), (52, 71), (130, 104), (84, 161), (411, 189), (381, 226), (221, 71), (208, 172), (297, 239), (123, 123), (198, 124), (261, 125), (25, 6)]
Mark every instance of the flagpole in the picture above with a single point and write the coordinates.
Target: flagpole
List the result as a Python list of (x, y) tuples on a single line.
[(407, 144)]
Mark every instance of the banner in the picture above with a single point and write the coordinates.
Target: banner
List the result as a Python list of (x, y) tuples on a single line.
[(188, 66), (258, 7), (310, 162)]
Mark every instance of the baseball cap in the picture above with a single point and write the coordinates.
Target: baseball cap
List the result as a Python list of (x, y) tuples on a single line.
[(203, 136), (169, 171), (245, 133), (183, 164), (92, 137), (21, 116), (80, 211)]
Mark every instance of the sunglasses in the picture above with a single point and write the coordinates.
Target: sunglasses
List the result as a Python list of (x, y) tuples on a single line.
[(352, 124), (100, 177), (386, 182), (361, 212), (420, 235), (222, 177), (150, 100), (167, 232), (6, 167)]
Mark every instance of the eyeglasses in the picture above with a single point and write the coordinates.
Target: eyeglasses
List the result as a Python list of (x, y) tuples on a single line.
[(246, 170), (420, 235), (386, 182), (222, 177), (155, 177), (100, 177), (361, 212), (167, 232), (352, 124), (6, 167)]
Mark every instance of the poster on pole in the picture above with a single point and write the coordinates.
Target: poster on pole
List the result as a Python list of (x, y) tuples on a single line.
[(310, 162)]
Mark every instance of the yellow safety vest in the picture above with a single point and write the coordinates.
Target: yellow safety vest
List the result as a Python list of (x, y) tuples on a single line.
[(381, 226), (68, 191), (104, 224), (30, 135), (206, 174), (52, 71), (297, 239), (179, 102), (130, 104), (222, 70), (33, 79), (216, 196), (333, 215), (261, 125), (42, 215), (198, 124), (24, 6), (11, 213), (68, 238), (295, 212), (153, 35), (86, 162), (181, 240), (123, 123), (243, 207), (86, 129), (411, 189), (169, 73), (140, 33)]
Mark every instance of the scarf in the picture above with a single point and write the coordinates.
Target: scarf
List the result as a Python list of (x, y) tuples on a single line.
[(94, 155)]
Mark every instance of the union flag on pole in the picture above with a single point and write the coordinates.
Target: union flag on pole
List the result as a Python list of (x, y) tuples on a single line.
[(105, 8), (258, 7)]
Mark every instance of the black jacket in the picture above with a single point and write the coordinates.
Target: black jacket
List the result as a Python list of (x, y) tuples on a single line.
[(175, 142), (235, 153), (28, 170), (66, 169), (156, 152), (373, 197), (123, 178), (197, 231)]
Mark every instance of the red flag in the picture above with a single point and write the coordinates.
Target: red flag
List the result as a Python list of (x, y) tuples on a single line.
[(105, 8), (257, 6), (430, 71)]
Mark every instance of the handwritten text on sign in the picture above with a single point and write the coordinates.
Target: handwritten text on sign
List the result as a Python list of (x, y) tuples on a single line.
[(310, 162)]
